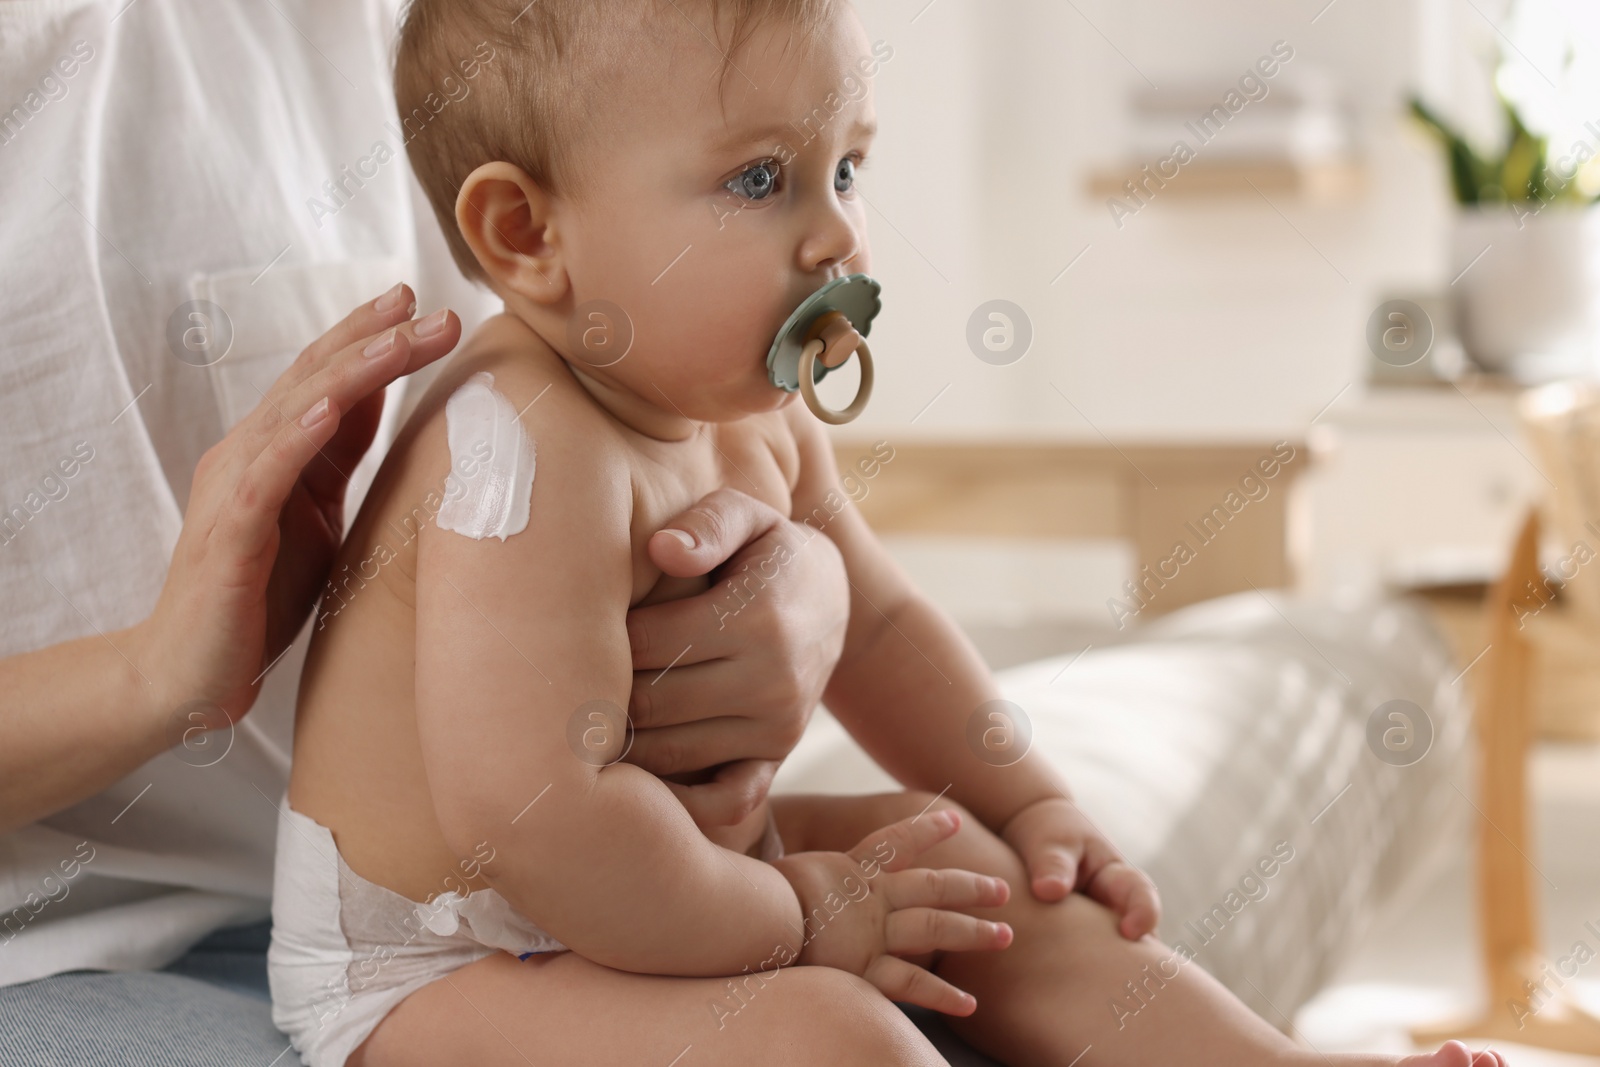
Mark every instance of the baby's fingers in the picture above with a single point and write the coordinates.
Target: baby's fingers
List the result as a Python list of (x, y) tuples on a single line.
[(1052, 871), (910, 984), (911, 931), (896, 845), (1127, 891), (952, 888)]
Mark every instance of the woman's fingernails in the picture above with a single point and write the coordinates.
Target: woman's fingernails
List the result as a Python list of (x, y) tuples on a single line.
[(683, 537), (390, 300), (380, 344), (433, 323), (318, 412)]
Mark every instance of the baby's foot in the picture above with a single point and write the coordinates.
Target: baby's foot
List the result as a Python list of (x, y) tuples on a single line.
[(1450, 1054), (1455, 1054)]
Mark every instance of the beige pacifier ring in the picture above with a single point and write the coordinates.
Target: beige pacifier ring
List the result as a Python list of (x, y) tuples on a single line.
[(808, 388)]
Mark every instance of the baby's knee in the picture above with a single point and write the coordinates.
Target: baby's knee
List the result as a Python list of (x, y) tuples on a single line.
[(858, 1024)]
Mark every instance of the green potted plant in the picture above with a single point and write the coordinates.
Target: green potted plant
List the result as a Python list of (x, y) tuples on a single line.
[(1523, 268)]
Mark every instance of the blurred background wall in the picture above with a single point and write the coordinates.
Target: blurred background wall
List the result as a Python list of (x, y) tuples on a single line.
[(1203, 316), (1229, 303)]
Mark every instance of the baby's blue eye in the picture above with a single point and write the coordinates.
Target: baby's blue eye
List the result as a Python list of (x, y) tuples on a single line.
[(844, 179), (756, 183)]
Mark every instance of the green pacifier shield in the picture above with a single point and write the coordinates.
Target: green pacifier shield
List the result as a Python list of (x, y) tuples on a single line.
[(856, 295)]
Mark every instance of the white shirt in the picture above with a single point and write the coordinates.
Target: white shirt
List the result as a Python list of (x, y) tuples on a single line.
[(153, 153)]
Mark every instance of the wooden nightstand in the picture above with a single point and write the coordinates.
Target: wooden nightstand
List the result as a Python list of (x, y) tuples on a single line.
[(1422, 488), (1411, 487)]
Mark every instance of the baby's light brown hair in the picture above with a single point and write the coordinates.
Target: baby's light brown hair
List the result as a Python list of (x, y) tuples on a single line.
[(479, 81)]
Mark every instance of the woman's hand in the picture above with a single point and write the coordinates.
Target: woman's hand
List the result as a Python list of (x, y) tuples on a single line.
[(266, 511), (726, 681), (865, 908), (1063, 851)]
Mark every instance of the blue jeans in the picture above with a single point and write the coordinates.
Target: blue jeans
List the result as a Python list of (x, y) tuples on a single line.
[(211, 1008)]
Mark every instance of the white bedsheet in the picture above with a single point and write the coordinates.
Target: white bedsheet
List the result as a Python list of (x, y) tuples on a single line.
[(1221, 731)]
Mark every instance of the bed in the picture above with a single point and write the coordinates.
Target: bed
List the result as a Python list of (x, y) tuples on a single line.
[(1223, 733)]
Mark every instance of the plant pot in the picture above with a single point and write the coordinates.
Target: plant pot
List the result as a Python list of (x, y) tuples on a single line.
[(1526, 286)]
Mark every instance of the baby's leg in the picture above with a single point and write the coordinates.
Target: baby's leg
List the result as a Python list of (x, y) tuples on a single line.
[(502, 1012), (1048, 997)]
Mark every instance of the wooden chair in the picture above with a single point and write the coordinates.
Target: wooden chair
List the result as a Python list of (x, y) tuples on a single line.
[(1508, 922)]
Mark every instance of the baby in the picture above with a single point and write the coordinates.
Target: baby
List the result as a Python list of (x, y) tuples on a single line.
[(467, 870)]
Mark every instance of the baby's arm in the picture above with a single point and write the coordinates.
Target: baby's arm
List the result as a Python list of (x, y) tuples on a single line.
[(908, 680), (513, 637)]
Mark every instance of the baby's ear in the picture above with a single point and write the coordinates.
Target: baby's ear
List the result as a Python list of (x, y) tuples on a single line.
[(506, 220)]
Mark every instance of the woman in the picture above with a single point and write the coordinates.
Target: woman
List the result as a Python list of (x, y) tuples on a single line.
[(192, 191)]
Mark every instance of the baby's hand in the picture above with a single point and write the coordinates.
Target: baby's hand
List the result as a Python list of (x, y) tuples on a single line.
[(863, 908), (1063, 851)]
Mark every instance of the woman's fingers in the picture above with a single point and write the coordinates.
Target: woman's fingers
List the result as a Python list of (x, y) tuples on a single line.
[(389, 309), (361, 325), (663, 696), (358, 427), (246, 478), (347, 377), (362, 367), (730, 797), (248, 519), (895, 846), (694, 746), (704, 536), (910, 984), (681, 633), (910, 931)]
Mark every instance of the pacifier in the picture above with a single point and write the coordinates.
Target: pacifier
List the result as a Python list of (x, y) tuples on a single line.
[(835, 321)]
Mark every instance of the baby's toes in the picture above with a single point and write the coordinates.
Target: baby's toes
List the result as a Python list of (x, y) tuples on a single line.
[(1456, 1054)]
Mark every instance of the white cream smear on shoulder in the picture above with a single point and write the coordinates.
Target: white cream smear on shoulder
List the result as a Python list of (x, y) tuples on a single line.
[(491, 463)]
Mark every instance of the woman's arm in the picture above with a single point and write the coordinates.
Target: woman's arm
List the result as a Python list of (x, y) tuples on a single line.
[(77, 716), (523, 667)]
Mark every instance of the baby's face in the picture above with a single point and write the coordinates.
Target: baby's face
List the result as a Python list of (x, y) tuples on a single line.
[(709, 227)]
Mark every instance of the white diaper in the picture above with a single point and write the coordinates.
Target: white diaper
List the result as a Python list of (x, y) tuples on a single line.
[(345, 950)]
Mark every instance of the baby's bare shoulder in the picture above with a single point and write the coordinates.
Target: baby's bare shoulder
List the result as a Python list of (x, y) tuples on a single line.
[(567, 427), (524, 369), (574, 463)]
